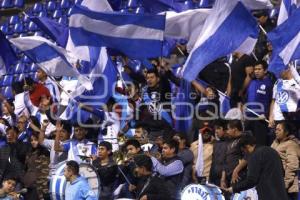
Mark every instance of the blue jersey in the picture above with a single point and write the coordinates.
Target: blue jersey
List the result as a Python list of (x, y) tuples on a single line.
[(260, 92)]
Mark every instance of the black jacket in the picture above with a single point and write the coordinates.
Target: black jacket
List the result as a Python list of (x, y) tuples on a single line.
[(265, 171), (155, 189), (218, 157), (12, 159)]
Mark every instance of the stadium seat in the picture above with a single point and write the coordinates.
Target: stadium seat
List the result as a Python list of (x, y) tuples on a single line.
[(63, 20), (7, 92), (10, 70), (19, 77), (57, 14), (33, 67), (25, 59), (7, 79), (206, 3), (65, 4), (26, 19), (69, 12), (51, 6), (4, 28), (14, 19), (32, 27), (42, 13), (38, 7), (188, 5), (19, 3), (77, 1), (6, 4), (19, 68), (139, 10), (18, 28), (38, 33), (132, 3)]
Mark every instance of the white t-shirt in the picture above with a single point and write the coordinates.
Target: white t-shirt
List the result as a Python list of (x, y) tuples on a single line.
[(286, 94), (55, 157)]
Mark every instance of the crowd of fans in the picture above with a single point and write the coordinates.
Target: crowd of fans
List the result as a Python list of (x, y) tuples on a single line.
[(37, 136)]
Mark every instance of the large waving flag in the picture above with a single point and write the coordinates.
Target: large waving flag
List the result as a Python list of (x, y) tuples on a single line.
[(7, 54), (103, 77), (56, 31), (285, 41), (137, 36), (186, 25), (230, 27), (54, 60), (286, 9)]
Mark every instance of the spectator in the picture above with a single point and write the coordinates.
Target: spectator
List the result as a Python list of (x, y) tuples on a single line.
[(259, 97), (219, 152), (48, 83), (37, 170), (285, 100), (13, 155), (171, 167), (153, 187), (186, 156), (235, 161), (107, 170), (265, 171), (8, 188), (64, 136), (79, 146), (287, 146), (78, 187)]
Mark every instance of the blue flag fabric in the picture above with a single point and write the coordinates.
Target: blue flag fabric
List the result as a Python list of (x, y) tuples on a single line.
[(216, 40), (7, 54), (137, 36), (56, 31), (283, 37)]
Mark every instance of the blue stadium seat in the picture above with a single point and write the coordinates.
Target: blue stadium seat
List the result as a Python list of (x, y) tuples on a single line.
[(65, 4), (63, 20), (25, 59), (34, 76), (7, 92), (7, 80), (69, 12), (14, 19), (188, 5), (37, 7), (19, 68), (19, 77), (42, 13), (32, 27), (26, 19), (206, 3), (18, 28), (38, 33), (6, 4), (57, 14), (19, 3), (33, 67), (77, 1), (4, 28), (139, 10), (132, 3), (124, 10), (51, 6)]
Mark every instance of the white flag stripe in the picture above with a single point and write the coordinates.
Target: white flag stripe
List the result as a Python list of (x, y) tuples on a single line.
[(257, 4), (111, 30), (247, 46), (186, 25), (287, 53), (100, 6)]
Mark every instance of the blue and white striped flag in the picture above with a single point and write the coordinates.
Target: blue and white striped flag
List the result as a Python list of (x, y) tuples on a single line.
[(230, 27), (285, 40), (286, 9), (137, 36), (54, 60)]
